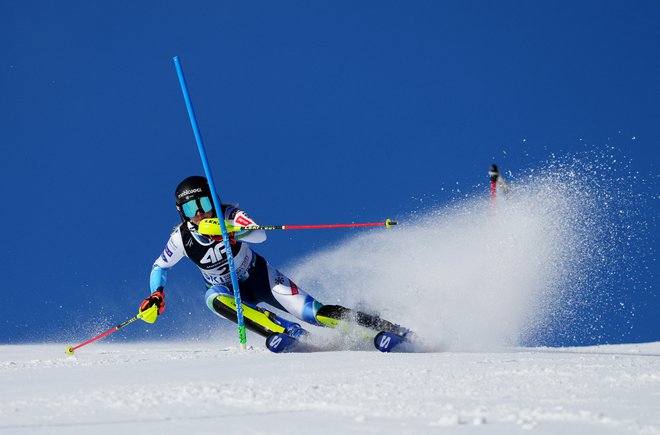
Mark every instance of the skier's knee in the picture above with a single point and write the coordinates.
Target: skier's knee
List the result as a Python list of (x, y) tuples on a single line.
[(310, 311), (214, 292)]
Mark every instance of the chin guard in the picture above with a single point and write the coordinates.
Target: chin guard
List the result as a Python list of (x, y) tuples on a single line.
[(211, 227)]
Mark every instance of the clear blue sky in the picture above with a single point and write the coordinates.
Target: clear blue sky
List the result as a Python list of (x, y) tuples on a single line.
[(311, 112)]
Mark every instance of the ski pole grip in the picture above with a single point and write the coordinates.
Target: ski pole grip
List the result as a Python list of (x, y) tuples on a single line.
[(389, 223)]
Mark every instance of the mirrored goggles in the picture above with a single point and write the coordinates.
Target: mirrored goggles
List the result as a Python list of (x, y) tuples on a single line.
[(191, 207)]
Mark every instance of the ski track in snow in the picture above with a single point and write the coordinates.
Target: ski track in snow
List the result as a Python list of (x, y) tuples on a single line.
[(170, 387)]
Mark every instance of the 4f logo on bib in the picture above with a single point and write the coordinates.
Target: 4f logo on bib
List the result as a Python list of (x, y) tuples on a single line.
[(213, 255)]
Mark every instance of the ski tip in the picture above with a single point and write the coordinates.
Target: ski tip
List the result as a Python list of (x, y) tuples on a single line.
[(386, 341), (278, 342), (383, 342)]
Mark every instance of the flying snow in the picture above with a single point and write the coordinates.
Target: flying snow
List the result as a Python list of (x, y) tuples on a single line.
[(536, 266)]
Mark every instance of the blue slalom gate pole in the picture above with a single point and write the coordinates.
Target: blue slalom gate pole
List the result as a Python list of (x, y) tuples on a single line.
[(217, 203)]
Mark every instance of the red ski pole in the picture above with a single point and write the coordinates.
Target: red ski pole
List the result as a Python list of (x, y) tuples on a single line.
[(71, 349), (212, 228)]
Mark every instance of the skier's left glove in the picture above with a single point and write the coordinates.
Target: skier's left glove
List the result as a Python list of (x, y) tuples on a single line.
[(157, 298)]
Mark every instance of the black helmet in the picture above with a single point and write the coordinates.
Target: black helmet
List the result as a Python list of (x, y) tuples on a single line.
[(193, 194), (493, 173)]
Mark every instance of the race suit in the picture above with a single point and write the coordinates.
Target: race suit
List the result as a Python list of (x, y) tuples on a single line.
[(259, 282)]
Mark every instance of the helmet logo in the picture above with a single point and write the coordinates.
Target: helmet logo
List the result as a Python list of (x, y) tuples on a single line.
[(189, 192)]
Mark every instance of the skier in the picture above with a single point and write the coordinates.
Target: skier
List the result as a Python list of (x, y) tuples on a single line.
[(495, 179), (260, 283)]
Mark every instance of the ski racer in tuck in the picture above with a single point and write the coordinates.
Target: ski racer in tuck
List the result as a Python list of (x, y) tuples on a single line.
[(261, 284)]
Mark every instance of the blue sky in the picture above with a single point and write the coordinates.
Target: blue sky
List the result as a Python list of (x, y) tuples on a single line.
[(311, 112)]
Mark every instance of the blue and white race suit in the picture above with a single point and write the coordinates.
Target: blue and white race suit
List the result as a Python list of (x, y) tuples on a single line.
[(259, 282)]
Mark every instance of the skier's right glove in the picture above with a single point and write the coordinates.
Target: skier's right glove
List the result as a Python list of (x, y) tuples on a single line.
[(157, 298), (232, 240)]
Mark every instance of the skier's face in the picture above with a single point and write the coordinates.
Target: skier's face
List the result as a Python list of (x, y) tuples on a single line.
[(197, 209), (199, 216)]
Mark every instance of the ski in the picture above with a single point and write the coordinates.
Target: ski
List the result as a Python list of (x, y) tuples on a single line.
[(279, 342), (391, 338), (386, 341)]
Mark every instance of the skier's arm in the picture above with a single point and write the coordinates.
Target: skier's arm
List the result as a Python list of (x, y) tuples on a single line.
[(238, 218), (158, 278), (171, 255)]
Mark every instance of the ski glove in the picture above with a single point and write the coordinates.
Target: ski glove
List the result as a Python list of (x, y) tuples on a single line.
[(232, 240), (156, 298)]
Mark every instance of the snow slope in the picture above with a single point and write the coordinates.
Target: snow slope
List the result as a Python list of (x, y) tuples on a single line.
[(551, 263), (213, 387)]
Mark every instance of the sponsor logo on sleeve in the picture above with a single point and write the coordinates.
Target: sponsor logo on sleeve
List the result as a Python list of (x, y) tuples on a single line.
[(243, 220)]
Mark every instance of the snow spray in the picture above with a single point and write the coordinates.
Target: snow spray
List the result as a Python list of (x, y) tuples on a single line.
[(545, 269)]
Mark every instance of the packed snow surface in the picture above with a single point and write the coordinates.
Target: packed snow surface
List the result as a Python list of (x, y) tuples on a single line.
[(557, 261), (214, 387)]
